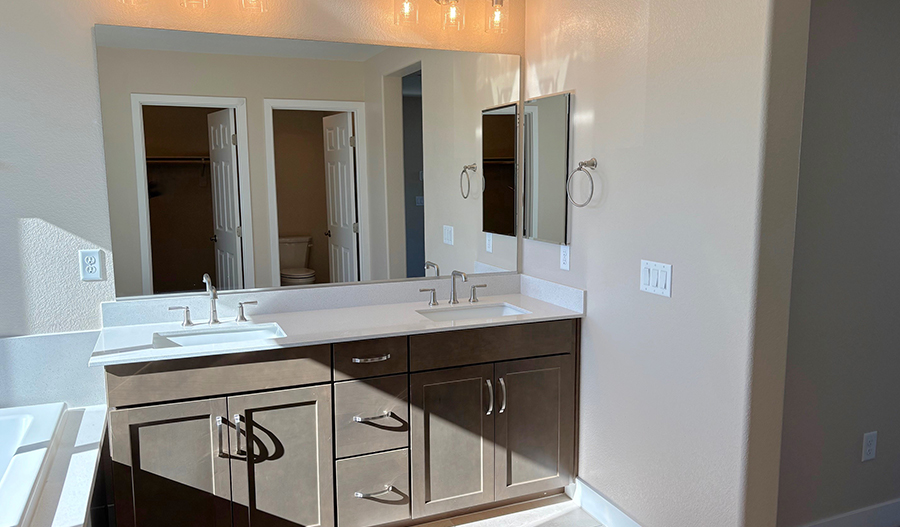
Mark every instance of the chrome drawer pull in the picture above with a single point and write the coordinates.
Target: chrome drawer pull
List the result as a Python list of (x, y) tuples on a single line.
[(370, 360), (237, 428), (503, 389), (221, 440), (362, 495), (490, 396), (358, 419)]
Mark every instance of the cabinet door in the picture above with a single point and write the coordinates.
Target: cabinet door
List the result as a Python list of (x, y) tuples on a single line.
[(282, 464), (452, 426), (170, 465), (535, 426)]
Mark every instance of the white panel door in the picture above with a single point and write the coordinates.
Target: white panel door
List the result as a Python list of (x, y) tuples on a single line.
[(340, 172), (226, 200)]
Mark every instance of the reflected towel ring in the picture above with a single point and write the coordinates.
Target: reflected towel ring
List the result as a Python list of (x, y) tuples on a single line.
[(583, 166), (467, 189)]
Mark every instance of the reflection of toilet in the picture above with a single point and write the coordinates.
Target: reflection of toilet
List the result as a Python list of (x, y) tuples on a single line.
[(294, 257)]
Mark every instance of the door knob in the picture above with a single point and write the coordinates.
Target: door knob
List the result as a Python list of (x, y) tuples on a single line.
[(328, 233), (213, 238)]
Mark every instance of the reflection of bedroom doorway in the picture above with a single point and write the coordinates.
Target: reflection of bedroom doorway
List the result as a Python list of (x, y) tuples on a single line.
[(317, 189), (193, 217)]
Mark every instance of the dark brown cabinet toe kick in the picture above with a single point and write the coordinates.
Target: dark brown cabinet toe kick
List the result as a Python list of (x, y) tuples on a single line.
[(355, 434)]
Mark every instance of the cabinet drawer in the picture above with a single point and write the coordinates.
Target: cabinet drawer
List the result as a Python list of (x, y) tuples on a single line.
[(475, 346), (382, 415), (162, 381), (386, 475), (370, 358)]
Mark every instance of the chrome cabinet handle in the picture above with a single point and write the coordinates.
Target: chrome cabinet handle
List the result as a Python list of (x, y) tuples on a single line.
[(370, 360), (490, 396), (503, 389), (358, 419), (237, 428), (219, 432), (362, 495)]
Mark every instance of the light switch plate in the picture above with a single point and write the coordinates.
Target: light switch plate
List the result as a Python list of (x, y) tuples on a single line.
[(656, 278), (564, 257), (90, 264), (489, 242), (448, 234)]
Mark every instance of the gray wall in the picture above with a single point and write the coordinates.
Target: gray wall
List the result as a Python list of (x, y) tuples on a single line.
[(843, 369)]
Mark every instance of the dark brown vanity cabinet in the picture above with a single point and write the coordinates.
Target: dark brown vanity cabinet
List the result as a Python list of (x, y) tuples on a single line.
[(247, 460)]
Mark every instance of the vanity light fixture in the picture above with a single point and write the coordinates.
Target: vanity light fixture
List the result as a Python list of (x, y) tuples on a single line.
[(453, 14), (194, 4), (406, 12), (496, 15), (133, 2), (254, 6)]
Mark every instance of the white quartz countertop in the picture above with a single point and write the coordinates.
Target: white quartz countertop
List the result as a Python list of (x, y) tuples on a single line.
[(133, 344)]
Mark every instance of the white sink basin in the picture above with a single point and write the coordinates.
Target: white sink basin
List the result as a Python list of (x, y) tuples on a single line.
[(217, 335), (486, 311)]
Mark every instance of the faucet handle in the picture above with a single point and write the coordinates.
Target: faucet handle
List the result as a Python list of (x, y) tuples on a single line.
[(433, 300), (473, 296), (187, 315), (240, 315)]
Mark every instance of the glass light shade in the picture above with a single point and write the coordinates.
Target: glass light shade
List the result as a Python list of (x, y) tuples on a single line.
[(194, 4), (496, 16), (406, 12), (254, 6), (453, 14)]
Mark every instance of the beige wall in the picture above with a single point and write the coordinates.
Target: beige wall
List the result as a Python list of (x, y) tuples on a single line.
[(843, 358), (455, 87), (671, 97), (300, 182), (127, 71), (51, 146)]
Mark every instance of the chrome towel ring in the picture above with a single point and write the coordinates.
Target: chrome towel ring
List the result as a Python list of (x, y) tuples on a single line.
[(467, 189), (583, 166)]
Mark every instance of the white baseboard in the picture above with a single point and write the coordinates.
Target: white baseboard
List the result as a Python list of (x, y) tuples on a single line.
[(885, 514), (599, 507)]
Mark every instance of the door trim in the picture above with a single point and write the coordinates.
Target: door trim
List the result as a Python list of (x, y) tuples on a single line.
[(358, 110), (138, 101)]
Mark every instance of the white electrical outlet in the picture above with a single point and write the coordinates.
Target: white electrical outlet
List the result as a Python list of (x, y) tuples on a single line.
[(489, 242), (870, 442), (448, 234), (656, 278), (90, 262), (564, 257)]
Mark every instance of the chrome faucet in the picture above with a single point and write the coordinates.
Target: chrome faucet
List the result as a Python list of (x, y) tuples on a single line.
[(432, 265), (213, 296), (453, 276)]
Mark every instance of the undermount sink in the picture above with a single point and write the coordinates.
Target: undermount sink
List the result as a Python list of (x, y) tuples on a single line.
[(486, 311), (217, 335)]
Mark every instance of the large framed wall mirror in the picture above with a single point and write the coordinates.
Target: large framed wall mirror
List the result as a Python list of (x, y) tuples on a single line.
[(267, 162), (546, 167)]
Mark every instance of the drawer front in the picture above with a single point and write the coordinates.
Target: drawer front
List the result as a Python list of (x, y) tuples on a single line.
[(371, 415), (475, 346), (373, 474), (162, 381), (370, 358)]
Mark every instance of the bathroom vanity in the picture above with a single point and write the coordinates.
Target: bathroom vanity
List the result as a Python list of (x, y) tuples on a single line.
[(451, 417)]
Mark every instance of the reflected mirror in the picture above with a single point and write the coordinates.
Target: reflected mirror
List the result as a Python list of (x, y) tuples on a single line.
[(500, 127), (546, 168), (268, 162)]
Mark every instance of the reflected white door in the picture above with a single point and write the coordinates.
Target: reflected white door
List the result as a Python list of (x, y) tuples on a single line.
[(226, 200), (340, 173)]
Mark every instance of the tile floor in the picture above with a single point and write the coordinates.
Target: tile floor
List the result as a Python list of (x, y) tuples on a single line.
[(554, 511)]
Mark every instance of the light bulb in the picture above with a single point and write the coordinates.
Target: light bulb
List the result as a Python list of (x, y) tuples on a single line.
[(454, 15), (406, 12), (496, 16)]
